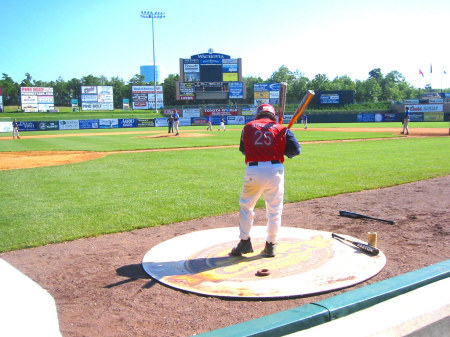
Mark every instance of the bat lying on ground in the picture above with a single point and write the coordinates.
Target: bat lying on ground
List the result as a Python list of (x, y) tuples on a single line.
[(301, 107), (364, 247), (362, 216), (282, 102)]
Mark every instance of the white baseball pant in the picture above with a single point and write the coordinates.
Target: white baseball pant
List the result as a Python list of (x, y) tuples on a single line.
[(266, 179)]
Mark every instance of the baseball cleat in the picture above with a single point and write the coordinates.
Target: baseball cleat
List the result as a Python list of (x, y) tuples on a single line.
[(270, 249), (243, 247)]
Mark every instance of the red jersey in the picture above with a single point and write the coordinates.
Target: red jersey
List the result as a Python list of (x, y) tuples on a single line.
[(264, 140)]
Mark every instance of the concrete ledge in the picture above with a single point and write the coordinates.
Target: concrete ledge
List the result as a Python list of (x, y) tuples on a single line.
[(314, 314), (26, 309), (421, 312)]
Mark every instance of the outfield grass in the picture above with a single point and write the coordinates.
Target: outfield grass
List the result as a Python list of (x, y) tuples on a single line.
[(125, 191)]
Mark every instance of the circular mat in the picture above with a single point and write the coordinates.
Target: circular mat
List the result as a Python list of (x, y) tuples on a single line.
[(306, 262)]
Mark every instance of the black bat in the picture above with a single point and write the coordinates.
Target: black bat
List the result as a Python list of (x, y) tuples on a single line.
[(362, 216), (366, 248)]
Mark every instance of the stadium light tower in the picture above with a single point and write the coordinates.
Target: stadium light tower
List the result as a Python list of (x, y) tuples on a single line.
[(153, 15)]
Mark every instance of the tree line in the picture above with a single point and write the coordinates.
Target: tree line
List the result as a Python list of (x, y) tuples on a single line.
[(376, 88)]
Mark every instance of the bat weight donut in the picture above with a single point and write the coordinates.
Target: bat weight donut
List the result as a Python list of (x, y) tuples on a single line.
[(263, 272)]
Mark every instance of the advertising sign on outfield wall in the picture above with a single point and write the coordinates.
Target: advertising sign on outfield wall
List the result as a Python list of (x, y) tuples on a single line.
[(425, 107), (1, 99)]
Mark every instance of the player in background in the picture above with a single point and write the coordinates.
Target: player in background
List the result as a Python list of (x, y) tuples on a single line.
[(15, 129), (222, 123), (176, 122), (264, 143), (209, 124), (406, 121)]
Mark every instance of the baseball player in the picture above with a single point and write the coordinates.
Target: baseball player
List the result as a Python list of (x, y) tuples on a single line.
[(264, 143), (176, 121), (209, 124), (406, 121), (222, 123), (15, 129)]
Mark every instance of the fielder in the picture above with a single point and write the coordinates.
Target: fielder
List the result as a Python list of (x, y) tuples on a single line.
[(406, 122), (264, 144), (15, 129), (222, 124)]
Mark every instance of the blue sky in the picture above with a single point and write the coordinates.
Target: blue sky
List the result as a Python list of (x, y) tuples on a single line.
[(76, 38)]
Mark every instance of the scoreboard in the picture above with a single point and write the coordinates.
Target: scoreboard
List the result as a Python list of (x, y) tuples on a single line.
[(210, 76)]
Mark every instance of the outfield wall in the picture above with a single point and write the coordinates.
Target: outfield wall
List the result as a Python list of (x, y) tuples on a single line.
[(113, 123)]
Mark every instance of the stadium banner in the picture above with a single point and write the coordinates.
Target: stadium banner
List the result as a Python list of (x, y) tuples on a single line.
[(28, 126), (128, 122), (69, 124), (366, 118), (425, 107), (235, 120), (145, 123), (248, 111), (89, 124), (108, 123), (433, 117), (48, 125), (390, 117), (6, 127), (36, 91), (236, 90), (266, 93), (191, 112), (199, 121), (97, 98), (146, 94), (97, 106), (221, 112), (416, 117), (105, 90), (45, 99), (329, 99), (89, 90), (140, 105)]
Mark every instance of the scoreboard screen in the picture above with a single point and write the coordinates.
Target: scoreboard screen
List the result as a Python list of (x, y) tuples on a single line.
[(210, 76)]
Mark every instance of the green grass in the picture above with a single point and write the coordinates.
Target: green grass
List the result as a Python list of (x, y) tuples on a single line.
[(121, 192)]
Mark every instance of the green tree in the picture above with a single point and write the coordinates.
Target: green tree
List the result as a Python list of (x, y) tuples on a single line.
[(320, 83), (169, 87), (26, 82), (11, 91), (137, 80), (91, 80), (61, 92), (368, 91)]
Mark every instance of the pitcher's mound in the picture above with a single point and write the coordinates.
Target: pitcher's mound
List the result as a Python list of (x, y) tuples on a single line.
[(307, 262)]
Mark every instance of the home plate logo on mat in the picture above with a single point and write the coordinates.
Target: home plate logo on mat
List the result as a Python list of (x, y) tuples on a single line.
[(307, 262)]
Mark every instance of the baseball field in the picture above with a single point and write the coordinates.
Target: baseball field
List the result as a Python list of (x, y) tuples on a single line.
[(81, 208)]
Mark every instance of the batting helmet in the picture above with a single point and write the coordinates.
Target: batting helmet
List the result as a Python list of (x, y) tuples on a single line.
[(265, 107)]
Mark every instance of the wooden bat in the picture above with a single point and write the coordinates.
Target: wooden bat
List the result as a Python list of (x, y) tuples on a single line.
[(282, 101), (366, 248), (362, 216), (301, 107)]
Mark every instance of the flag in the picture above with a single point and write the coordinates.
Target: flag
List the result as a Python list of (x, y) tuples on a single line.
[(420, 72), (445, 73), (431, 68)]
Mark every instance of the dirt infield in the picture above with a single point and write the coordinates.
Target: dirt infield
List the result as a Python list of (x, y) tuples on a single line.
[(29, 159)]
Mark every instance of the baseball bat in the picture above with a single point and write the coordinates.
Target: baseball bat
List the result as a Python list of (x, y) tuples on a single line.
[(282, 102), (301, 107), (366, 248), (362, 216)]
